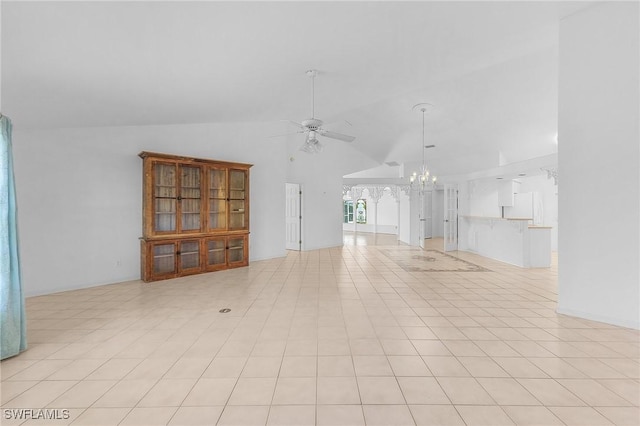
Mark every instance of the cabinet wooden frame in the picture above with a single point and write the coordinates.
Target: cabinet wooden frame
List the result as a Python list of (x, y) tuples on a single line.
[(179, 198)]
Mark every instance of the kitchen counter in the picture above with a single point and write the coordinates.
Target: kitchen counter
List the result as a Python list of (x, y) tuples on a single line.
[(510, 240)]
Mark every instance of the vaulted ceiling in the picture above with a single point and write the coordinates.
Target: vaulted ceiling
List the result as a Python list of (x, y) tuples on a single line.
[(489, 69)]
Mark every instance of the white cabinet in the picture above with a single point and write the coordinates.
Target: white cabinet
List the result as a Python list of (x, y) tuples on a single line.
[(506, 189)]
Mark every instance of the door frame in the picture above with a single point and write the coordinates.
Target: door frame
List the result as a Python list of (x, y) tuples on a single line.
[(450, 217), (297, 188), (421, 218)]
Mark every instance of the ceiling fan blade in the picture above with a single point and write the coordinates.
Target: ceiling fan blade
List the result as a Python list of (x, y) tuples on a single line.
[(338, 136), (293, 123), (286, 134), (339, 122)]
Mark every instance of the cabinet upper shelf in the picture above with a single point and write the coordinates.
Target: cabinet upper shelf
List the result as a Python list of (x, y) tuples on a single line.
[(195, 161)]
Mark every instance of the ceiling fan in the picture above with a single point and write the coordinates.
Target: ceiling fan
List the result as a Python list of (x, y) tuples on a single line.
[(313, 126)]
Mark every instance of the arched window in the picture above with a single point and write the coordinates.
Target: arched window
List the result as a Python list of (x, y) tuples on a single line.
[(361, 211)]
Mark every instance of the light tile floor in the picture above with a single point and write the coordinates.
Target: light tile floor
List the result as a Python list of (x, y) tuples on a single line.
[(342, 336)]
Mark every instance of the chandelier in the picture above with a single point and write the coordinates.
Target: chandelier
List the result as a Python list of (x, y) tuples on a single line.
[(423, 179)]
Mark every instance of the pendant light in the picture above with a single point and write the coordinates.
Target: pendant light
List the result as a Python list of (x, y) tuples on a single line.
[(423, 179)]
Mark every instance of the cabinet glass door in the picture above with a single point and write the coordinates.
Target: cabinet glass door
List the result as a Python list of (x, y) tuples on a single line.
[(190, 193), (237, 206), (189, 255), (164, 259), (236, 250), (217, 199), (216, 253), (164, 197)]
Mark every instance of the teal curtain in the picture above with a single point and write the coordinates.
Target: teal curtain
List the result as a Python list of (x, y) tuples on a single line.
[(13, 329)]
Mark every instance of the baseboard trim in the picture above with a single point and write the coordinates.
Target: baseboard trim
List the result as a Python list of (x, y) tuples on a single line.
[(599, 318), (63, 289), (267, 257)]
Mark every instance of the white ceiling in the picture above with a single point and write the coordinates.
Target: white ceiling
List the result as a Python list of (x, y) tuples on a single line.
[(490, 69)]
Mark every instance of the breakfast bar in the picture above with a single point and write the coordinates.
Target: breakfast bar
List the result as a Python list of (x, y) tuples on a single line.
[(511, 240)]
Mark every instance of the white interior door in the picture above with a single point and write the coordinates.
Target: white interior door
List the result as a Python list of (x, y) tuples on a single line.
[(293, 216), (428, 214), (450, 217)]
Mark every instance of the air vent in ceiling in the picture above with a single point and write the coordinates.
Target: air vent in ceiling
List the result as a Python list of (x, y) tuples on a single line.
[(392, 163)]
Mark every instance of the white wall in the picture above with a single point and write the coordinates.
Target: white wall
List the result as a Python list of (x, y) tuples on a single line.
[(405, 218), (80, 196), (438, 213), (414, 218), (464, 198), (321, 179), (387, 210), (599, 163), (483, 198)]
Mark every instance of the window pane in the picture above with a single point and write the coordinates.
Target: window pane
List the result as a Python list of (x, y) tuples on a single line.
[(189, 254), (217, 214), (217, 183), (215, 252), (236, 250), (236, 214), (348, 211), (190, 193), (164, 258), (237, 189), (361, 211), (164, 197)]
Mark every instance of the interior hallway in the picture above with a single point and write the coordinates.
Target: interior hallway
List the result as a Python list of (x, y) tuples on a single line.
[(373, 332)]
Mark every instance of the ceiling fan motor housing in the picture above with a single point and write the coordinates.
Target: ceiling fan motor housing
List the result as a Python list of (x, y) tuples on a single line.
[(312, 124)]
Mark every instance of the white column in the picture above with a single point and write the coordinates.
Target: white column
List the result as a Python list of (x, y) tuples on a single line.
[(395, 193), (406, 189), (398, 226), (356, 193), (599, 159), (414, 217), (375, 193)]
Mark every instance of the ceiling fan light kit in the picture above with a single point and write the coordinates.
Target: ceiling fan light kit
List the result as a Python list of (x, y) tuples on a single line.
[(313, 126), (312, 146)]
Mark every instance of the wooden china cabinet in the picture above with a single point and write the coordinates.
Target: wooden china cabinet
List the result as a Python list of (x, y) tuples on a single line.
[(195, 216)]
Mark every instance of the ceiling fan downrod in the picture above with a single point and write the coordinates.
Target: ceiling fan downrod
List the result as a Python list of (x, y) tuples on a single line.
[(312, 74)]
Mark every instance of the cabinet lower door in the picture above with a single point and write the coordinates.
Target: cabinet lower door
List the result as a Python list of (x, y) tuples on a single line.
[(189, 257), (237, 251), (175, 258), (163, 260), (216, 249)]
